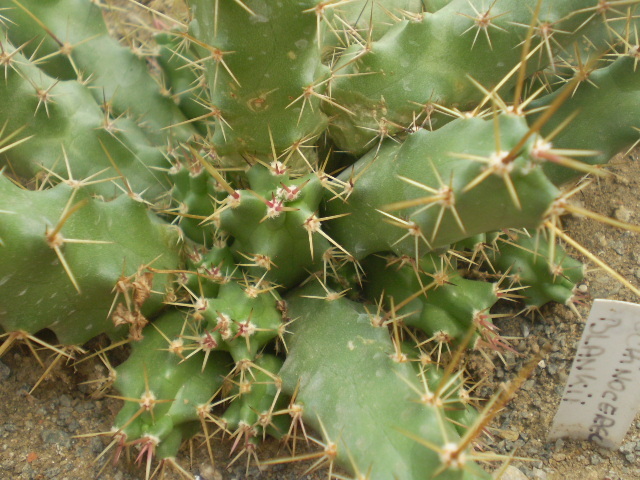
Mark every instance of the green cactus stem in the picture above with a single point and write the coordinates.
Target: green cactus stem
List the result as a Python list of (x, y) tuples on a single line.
[(77, 265), (69, 49), (366, 404), (439, 187)]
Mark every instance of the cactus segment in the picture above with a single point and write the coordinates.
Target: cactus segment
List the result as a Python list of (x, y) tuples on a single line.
[(455, 396), (443, 304), (68, 49), (210, 269), (182, 80), (275, 226), (256, 398), (68, 136), (265, 77), (547, 272), (617, 125), (241, 320), (195, 195), (366, 405), (166, 393), (366, 19), (399, 278), (390, 85), (424, 186), (85, 260), (452, 309)]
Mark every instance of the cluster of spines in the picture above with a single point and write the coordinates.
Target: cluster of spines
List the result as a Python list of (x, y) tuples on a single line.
[(432, 296), (217, 372)]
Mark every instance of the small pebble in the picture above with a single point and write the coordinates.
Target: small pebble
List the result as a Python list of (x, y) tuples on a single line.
[(57, 437), (209, 472), (5, 371), (622, 213), (512, 473), (65, 400), (539, 474), (510, 435), (619, 247)]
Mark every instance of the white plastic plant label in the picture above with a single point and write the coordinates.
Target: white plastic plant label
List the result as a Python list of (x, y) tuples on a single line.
[(602, 395)]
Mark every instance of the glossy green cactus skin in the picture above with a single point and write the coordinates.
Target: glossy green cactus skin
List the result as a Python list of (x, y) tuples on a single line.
[(166, 391), (181, 78), (449, 305), (241, 320), (208, 270), (371, 417), (430, 58), (439, 160), (274, 225), (258, 73), (194, 195), (616, 128), (104, 244), (73, 39), (66, 135), (255, 399), (546, 275)]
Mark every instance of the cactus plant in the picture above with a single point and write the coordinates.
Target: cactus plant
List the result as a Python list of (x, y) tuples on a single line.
[(299, 192)]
